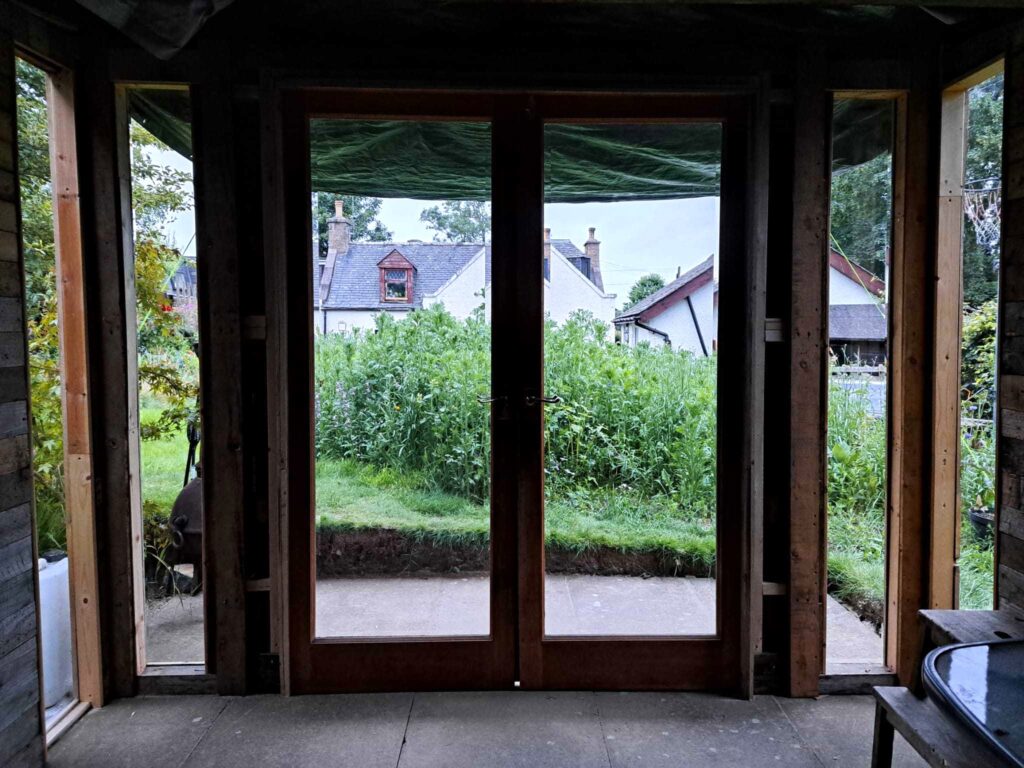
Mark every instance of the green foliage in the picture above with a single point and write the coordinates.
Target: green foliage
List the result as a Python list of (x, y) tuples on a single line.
[(862, 210), (644, 287), (984, 161), (459, 221), (157, 193), (405, 397), (362, 213), (978, 360)]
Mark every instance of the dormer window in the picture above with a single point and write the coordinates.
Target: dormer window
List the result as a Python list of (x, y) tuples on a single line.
[(396, 275), (396, 285)]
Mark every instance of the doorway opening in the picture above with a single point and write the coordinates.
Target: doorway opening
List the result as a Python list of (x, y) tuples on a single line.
[(861, 223), (982, 107), (402, 271), (631, 375), (166, 364)]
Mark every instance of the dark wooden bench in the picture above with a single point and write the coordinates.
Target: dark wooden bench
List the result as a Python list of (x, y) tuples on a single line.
[(938, 736)]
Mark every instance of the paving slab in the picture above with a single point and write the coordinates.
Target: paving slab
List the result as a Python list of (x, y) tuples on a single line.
[(357, 730), (174, 630), (505, 729), (667, 730), (850, 640), (840, 730), (151, 731), (458, 604)]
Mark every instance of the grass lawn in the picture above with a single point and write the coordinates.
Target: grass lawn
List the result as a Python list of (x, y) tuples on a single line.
[(355, 497), (163, 465)]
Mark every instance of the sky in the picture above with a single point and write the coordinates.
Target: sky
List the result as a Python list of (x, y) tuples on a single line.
[(637, 238)]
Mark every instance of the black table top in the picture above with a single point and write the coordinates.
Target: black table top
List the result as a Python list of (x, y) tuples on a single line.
[(983, 684)]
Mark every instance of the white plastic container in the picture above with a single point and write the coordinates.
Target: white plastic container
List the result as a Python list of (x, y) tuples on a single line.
[(55, 629)]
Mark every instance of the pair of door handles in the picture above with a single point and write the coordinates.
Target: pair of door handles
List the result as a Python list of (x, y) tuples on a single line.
[(529, 400)]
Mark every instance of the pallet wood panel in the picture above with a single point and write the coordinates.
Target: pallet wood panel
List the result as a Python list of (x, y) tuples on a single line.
[(21, 716), (808, 326), (1010, 451)]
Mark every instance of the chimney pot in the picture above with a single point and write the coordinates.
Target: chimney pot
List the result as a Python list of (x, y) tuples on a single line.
[(547, 233)]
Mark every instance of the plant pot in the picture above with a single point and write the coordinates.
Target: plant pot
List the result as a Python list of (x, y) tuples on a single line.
[(982, 521)]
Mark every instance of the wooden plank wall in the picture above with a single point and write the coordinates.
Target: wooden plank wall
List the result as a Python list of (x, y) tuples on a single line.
[(1010, 542), (21, 740)]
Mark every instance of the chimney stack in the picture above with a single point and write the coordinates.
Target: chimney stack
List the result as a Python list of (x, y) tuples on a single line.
[(547, 243), (593, 250), (339, 231), (339, 236)]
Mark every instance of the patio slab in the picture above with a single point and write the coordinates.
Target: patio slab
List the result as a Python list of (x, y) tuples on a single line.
[(458, 604)]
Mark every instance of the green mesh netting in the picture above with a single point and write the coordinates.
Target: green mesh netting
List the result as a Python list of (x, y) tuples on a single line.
[(583, 163)]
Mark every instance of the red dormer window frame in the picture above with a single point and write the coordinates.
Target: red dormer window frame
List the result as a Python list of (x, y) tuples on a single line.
[(392, 263)]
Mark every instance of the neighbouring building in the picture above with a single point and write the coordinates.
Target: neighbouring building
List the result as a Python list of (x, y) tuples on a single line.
[(356, 282), (684, 313)]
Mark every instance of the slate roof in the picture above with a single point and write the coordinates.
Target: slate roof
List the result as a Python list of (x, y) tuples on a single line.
[(631, 313), (857, 322), (356, 280)]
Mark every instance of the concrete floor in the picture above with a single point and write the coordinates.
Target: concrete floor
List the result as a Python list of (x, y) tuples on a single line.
[(458, 605), (475, 730)]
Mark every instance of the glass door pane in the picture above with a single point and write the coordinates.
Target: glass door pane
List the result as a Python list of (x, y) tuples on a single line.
[(402, 376), (630, 253)]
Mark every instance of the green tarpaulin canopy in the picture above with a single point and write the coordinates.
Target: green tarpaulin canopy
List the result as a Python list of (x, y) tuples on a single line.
[(583, 163)]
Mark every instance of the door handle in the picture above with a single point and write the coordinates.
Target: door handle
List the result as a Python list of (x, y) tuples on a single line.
[(535, 399)]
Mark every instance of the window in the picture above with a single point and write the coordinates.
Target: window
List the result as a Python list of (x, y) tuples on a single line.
[(395, 285)]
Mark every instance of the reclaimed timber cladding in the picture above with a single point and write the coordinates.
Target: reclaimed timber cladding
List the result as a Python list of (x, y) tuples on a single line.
[(1010, 458), (21, 740)]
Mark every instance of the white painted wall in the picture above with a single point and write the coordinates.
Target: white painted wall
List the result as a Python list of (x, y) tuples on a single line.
[(567, 291), (677, 322), (843, 290), (465, 291), (350, 319)]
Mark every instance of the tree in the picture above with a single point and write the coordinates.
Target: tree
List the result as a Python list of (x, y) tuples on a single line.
[(459, 221), (363, 215), (861, 212), (984, 162), (644, 287)]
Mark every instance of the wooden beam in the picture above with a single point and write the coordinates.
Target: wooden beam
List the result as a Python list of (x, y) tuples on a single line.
[(79, 508), (808, 327), (274, 251), (944, 528), (101, 132), (752, 471), (220, 334), (910, 390)]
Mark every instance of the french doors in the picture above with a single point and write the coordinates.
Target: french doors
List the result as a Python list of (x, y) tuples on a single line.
[(497, 618)]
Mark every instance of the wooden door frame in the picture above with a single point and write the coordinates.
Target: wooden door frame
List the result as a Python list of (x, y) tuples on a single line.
[(724, 661), (321, 665)]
